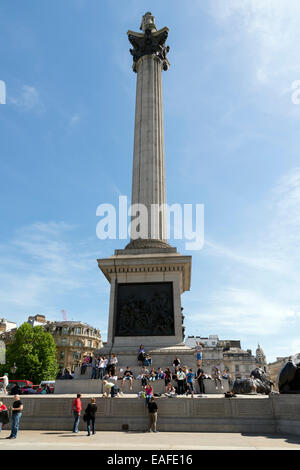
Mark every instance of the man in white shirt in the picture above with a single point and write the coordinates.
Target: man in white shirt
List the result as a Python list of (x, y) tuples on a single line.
[(102, 366)]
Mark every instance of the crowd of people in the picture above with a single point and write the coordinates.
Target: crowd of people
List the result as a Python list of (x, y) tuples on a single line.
[(178, 379)]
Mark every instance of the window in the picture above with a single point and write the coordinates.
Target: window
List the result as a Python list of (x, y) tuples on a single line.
[(89, 344), (65, 331), (77, 343), (62, 355), (237, 368), (79, 331), (63, 342)]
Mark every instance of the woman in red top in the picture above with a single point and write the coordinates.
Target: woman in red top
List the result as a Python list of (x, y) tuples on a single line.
[(3, 408), (149, 393), (76, 408)]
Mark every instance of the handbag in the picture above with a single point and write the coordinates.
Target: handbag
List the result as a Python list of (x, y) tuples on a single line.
[(4, 417)]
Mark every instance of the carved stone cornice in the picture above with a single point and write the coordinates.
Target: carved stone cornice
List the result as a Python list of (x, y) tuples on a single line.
[(149, 43), (147, 264)]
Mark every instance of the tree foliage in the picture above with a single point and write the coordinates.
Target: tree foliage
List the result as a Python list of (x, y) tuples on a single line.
[(34, 353)]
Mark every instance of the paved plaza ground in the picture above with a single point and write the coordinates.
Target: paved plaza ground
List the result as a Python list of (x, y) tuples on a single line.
[(66, 440)]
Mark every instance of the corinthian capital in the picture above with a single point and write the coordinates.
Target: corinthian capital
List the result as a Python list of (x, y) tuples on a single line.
[(149, 42)]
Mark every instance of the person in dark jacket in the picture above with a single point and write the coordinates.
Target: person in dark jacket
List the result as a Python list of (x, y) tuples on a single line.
[(15, 390), (152, 408), (200, 377), (90, 412)]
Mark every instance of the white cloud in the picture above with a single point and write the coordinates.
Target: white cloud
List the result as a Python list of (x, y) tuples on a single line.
[(246, 312), (267, 33), (28, 99), (74, 119), (252, 260), (42, 264), (260, 294), (287, 200)]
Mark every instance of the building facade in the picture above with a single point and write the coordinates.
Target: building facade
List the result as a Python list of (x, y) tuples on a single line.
[(73, 339), (228, 355), (6, 325)]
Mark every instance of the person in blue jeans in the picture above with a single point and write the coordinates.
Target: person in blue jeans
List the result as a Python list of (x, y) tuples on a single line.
[(16, 409), (190, 377), (76, 408)]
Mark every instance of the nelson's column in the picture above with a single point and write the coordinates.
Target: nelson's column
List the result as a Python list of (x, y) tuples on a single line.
[(148, 277)]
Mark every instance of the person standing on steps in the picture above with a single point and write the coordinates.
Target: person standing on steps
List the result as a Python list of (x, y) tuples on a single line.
[(200, 377), (199, 353), (190, 377), (180, 381)]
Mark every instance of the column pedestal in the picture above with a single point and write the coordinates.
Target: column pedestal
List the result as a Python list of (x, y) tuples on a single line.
[(145, 298)]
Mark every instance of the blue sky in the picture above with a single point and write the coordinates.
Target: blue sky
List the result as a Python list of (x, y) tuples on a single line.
[(231, 136)]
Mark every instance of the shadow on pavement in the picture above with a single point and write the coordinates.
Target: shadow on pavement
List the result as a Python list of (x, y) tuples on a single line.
[(291, 439)]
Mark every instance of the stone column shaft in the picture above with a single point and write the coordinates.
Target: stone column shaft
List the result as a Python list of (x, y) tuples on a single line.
[(148, 179)]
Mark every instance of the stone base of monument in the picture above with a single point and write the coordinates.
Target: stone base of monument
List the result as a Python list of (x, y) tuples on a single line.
[(161, 357), (145, 299), (258, 415)]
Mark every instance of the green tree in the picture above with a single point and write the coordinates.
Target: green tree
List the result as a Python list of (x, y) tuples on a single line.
[(34, 353)]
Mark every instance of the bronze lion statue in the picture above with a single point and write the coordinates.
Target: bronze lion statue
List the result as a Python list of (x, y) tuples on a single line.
[(288, 379), (258, 383)]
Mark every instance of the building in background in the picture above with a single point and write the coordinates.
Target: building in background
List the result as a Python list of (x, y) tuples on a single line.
[(37, 320), (73, 339), (6, 325), (228, 355)]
